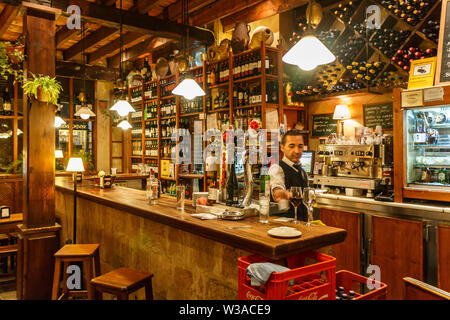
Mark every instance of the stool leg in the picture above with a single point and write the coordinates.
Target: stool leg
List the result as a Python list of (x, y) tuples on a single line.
[(97, 263), (149, 290), (65, 290), (56, 276), (88, 277)]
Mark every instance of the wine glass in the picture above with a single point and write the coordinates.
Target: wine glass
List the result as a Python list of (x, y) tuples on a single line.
[(309, 198), (296, 200)]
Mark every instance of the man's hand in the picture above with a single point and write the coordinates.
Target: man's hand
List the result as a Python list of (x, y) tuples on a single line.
[(280, 194)]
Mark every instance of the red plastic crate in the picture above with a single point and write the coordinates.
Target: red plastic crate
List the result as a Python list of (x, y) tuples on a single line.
[(358, 283), (313, 274)]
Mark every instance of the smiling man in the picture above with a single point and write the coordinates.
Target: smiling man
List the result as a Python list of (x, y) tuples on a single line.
[(289, 173)]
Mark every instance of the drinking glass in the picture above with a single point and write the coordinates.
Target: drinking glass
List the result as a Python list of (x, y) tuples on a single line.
[(264, 203), (309, 198), (296, 200), (180, 197)]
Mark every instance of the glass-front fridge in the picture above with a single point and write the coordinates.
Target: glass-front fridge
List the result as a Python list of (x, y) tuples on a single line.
[(427, 147)]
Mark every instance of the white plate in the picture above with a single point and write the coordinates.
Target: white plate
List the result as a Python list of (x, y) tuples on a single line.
[(284, 232)]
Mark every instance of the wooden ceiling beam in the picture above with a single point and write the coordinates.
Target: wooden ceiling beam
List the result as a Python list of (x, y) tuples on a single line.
[(260, 11), (220, 9), (64, 35), (138, 50), (143, 6), (131, 21), (130, 39), (174, 10), (7, 16), (90, 41), (76, 70)]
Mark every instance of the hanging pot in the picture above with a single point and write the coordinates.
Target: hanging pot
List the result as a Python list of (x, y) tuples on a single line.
[(224, 48), (15, 54), (240, 38), (261, 34), (162, 67), (314, 14), (213, 53)]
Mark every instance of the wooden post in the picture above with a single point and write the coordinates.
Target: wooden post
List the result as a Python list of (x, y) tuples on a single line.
[(38, 235)]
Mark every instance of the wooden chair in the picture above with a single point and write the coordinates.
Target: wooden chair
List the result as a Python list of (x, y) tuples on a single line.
[(418, 290), (122, 282), (89, 256)]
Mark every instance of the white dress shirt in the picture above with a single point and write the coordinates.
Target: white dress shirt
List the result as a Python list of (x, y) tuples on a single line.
[(276, 174)]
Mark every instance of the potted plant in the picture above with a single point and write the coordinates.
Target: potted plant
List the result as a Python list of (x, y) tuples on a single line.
[(43, 88), (10, 58), (87, 159)]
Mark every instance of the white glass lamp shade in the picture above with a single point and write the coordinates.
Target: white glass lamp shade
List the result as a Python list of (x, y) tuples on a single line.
[(309, 53), (84, 113), (341, 112), (59, 154), (125, 125), (59, 122), (189, 89), (75, 165), (123, 107)]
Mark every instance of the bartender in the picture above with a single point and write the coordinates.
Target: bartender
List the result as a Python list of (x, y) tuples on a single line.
[(289, 173)]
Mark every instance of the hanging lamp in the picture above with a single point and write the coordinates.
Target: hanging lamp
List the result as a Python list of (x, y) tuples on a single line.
[(188, 88), (310, 52), (122, 106), (124, 124), (84, 112)]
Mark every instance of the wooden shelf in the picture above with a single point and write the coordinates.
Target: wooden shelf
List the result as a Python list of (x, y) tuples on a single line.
[(152, 119), (168, 179), (172, 96), (169, 117), (224, 84), (250, 106), (293, 108), (219, 110), (190, 176), (191, 114)]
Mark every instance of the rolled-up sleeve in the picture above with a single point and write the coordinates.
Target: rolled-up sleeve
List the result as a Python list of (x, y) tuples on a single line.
[(276, 174)]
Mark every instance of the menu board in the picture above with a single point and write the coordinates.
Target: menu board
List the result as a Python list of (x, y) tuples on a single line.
[(323, 125), (443, 62), (379, 115)]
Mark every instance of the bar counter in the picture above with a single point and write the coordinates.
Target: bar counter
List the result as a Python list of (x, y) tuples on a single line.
[(191, 258)]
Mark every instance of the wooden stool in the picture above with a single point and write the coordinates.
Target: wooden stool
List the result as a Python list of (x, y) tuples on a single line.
[(5, 252), (89, 255), (121, 282)]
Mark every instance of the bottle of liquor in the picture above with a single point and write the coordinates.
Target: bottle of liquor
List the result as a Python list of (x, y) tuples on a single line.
[(232, 187), (442, 176), (7, 106), (146, 70)]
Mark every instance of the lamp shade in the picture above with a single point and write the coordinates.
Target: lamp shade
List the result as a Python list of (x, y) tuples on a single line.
[(309, 53), (341, 112), (84, 112), (59, 154), (124, 124), (189, 89), (75, 165), (59, 122), (123, 107)]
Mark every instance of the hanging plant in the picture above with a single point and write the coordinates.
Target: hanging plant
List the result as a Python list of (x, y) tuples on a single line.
[(43, 88), (11, 57)]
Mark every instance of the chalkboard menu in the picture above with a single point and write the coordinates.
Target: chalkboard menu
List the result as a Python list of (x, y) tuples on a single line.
[(378, 115), (323, 125), (443, 63)]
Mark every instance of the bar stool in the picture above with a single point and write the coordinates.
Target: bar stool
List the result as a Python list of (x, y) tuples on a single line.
[(88, 255), (122, 282)]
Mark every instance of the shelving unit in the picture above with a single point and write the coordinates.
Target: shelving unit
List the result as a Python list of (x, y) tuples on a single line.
[(230, 110)]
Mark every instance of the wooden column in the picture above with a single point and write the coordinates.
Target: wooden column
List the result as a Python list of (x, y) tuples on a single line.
[(38, 235)]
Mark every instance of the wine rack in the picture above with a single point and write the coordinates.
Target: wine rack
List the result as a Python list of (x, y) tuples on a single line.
[(357, 44)]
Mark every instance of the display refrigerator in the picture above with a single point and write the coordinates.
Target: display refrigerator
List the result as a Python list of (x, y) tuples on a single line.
[(422, 134)]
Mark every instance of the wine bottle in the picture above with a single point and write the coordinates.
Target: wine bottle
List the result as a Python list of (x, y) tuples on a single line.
[(7, 109), (232, 187)]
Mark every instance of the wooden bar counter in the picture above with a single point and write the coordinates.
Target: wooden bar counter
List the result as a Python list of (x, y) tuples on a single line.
[(191, 258)]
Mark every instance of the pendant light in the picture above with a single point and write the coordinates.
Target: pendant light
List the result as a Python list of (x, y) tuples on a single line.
[(188, 88), (310, 52), (84, 112), (122, 106), (124, 124), (59, 121)]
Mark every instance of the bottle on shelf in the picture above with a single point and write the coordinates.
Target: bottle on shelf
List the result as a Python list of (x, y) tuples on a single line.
[(7, 105), (232, 187)]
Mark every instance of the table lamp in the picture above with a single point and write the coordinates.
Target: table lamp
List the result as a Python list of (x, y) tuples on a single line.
[(341, 112), (75, 165)]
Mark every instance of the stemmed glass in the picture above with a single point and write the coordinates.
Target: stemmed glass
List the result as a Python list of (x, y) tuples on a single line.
[(309, 198), (296, 200)]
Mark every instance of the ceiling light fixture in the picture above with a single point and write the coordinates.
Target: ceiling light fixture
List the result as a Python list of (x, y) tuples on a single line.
[(188, 88), (122, 106), (310, 52)]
